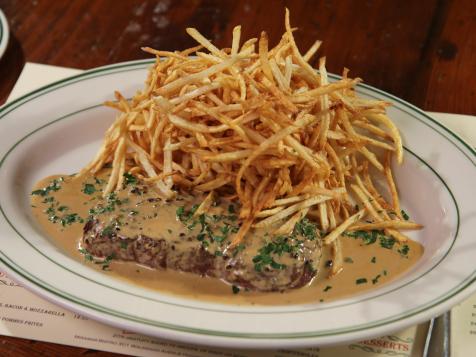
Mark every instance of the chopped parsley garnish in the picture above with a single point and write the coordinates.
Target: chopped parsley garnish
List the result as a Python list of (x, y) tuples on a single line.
[(385, 272), (215, 228), (56, 215), (348, 260), (375, 280), (373, 260), (231, 209), (53, 186), (306, 229), (111, 202), (265, 254), (218, 253), (109, 230), (235, 289), (405, 216), (90, 258), (372, 236), (130, 179), (327, 288), (285, 244), (186, 216), (51, 212), (404, 250), (87, 256), (386, 242), (367, 237), (238, 249), (89, 188), (106, 262), (180, 211), (277, 266), (124, 244), (69, 219), (361, 281)]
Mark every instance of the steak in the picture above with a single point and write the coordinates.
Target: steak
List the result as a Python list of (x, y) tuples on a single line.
[(199, 245)]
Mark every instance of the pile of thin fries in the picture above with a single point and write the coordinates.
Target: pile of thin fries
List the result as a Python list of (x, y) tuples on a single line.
[(262, 127)]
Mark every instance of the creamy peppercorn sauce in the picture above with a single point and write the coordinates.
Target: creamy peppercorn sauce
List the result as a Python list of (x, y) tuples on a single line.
[(62, 206)]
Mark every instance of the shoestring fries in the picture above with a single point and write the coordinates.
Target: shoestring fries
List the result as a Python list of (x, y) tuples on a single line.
[(260, 126)]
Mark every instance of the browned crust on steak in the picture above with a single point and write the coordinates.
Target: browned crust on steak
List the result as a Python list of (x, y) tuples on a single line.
[(159, 253)]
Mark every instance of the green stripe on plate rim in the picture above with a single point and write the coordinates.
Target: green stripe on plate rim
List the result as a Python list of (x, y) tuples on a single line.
[(70, 115), (140, 65), (2, 26), (467, 282)]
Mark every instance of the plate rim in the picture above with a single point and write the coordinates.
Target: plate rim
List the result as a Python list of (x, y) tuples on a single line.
[(110, 69), (4, 33)]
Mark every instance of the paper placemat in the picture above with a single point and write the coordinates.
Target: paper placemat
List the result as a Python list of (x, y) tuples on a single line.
[(23, 314)]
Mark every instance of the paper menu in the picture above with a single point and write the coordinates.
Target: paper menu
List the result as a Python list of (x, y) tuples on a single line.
[(23, 314), (463, 328)]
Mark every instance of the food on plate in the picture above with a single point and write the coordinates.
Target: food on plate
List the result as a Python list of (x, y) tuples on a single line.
[(244, 164), (141, 239)]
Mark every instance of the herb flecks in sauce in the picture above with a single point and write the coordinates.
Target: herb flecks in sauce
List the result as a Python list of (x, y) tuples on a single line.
[(371, 237), (56, 212), (103, 262), (268, 256), (58, 197), (386, 242), (130, 179), (86, 254), (375, 280), (52, 187), (404, 249), (214, 228), (89, 188), (405, 216)]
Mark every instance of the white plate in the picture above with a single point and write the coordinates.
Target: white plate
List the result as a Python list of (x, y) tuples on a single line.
[(56, 129), (4, 33)]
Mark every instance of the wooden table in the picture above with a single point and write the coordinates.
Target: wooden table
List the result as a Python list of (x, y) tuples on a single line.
[(423, 51)]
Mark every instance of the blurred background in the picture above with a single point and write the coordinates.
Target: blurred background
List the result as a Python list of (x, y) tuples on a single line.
[(423, 51)]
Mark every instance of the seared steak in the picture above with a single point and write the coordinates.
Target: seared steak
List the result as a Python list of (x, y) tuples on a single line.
[(172, 238)]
